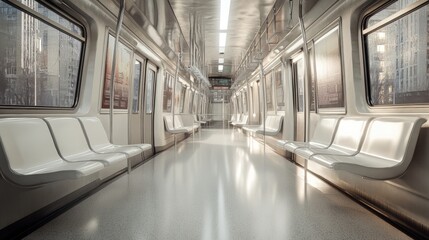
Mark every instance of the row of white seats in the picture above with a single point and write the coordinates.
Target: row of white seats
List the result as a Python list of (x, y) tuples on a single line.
[(177, 125), (239, 120), (273, 126), (377, 148), (37, 151)]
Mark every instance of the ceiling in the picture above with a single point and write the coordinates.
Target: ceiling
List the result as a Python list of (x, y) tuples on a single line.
[(245, 18)]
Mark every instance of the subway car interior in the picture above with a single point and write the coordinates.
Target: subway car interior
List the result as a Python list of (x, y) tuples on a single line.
[(221, 119)]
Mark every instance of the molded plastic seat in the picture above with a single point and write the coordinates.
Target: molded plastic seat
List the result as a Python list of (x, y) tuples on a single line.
[(168, 122), (386, 152), (242, 122), (273, 125), (233, 118), (28, 156), (179, 124), (347, 139), (99, 142), (72, 144), (322, 136), (198, 121)]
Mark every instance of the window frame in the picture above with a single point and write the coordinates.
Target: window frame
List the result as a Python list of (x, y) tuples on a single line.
[(365, 31), (83, 38)]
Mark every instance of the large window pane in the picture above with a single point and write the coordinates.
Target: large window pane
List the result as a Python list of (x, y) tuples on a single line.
[(279, 89), (298, 72), (397, 57), (39, 65), (168, 91), (244, 94), (269, 92), (327, 62), (122, 75), (177, 99), (136, 86), (182, 99), (150, 79), (64, 22)]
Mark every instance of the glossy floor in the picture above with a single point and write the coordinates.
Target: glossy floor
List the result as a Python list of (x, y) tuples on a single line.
[(218, 185)]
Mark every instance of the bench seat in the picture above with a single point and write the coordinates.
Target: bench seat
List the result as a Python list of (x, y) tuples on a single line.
[(28, 156), (347, 139), (386, 152), (179, 124), (99, 142), (322, 136), (169, 126), (273, 125), (241, 122), (73, 146)]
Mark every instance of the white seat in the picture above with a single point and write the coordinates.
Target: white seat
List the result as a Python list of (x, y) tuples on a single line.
[(347, 139), (178, 123), (99, 142), (233, 119), (322, 136), (198, 121), (242, 122), (28, 156), (386, 152), (273, 125), (168, 122), (72, 144)]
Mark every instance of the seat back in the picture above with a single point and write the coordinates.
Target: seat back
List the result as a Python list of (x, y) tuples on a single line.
[(324, 131), (276, 122), (178, 121), (244, 119), (94, 132), (233, 117), (168, 121), (68, 136), (26, 143), (350, 133), (392, 138)]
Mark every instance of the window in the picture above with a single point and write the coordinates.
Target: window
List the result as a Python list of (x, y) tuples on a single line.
[(191, 101), (150, 79), (40, 58), (182, 99), (136, 86), (298, 72), (240, 104), (279, 89), (269, 92), (168, 92), (396, 41), (328, 70), (122, 75), (244, 95), (177, 97)]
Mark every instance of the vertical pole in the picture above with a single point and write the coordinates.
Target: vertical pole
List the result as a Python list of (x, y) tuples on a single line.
[(306, 83), (35, 65), (264, 100), (112, 78), (307, 76)]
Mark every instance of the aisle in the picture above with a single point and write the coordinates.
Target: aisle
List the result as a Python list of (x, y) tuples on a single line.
[(218, 185)]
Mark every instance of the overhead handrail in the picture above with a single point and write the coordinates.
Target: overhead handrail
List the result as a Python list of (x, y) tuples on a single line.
[(112, 80)]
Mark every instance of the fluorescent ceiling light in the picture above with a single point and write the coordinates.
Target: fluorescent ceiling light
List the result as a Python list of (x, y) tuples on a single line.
[(221, 60), (224, 14), (221, 50), (220, 68), (222, 39)]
